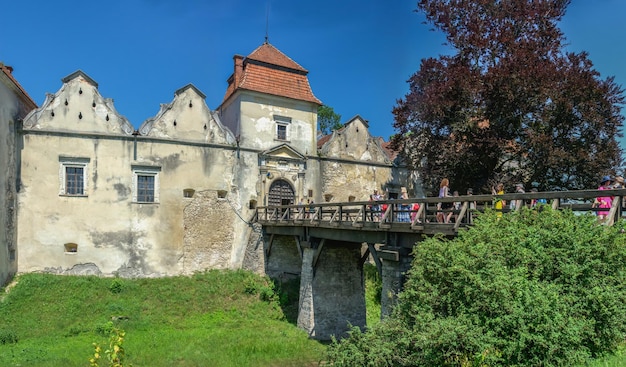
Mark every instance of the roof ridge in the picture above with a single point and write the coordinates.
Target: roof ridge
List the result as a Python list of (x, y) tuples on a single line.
[(269, 54)]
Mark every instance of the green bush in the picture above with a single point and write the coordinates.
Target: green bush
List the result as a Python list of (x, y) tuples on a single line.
[(525, 289), (7, 336), (116, 286)]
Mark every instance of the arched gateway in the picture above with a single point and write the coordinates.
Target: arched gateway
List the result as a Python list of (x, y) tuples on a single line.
[(281, 193)]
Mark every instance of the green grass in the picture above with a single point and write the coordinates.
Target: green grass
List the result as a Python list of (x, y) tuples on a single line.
[(216, 318), (373, 289)]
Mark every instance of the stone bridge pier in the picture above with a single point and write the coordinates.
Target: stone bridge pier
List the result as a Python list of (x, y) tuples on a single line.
[(332, 289), (332, 284)]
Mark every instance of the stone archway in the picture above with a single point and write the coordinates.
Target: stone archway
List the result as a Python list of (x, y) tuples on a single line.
[(281, 193)]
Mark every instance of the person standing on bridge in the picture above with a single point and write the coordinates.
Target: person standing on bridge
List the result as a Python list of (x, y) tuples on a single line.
[(604, 202), (498, 204), (405, 208), (445, 213), (472, 206), (375, 206)]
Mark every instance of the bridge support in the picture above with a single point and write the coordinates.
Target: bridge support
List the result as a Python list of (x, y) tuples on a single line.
[(332, 290), (394, 265)]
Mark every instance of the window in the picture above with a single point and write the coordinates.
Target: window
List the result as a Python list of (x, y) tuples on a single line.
[(70, 248), (145, 188), (282, 124), (72, 176), (146, 184), (281, 132)]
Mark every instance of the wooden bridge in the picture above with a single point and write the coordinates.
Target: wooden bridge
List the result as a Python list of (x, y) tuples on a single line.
[(406, 217), (327, 244)]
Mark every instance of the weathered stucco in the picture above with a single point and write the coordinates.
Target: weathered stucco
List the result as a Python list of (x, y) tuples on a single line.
[(8, 109), (353, 164), (210, 175), (112, 231)]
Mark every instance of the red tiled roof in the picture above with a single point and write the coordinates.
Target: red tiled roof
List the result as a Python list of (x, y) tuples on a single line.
[(267, 70), (323, 140), (386, 145), (271, 55)]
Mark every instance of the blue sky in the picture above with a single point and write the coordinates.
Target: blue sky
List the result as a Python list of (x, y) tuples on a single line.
[(359, 53)]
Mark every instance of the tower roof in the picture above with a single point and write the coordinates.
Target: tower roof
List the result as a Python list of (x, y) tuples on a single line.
[(267, 70)]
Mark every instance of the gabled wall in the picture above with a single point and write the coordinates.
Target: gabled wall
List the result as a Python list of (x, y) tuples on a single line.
[(78, 107), (195, 223), (353, 165)]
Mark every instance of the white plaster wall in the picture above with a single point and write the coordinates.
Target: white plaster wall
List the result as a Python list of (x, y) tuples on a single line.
[(111, 231), (258, 129), (354, 164), (78, 107)]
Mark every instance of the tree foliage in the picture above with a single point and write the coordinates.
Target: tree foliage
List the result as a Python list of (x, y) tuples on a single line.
[(525, 289), (328, 120), (510, 105)]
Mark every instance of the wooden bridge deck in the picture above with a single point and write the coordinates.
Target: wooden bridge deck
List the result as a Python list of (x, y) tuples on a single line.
[(401, 216)]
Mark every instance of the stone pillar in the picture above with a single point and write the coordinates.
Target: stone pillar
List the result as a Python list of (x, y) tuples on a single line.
[(392, 284), (394, 267), (306, 313), (332, 290)]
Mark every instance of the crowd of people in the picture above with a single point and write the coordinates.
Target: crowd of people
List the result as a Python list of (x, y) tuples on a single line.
[(447, 212)]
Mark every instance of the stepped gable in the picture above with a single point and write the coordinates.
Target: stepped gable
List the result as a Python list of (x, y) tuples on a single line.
[(267, 70)]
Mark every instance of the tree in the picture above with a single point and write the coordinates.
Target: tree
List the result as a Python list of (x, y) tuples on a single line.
[(328, 120), (530, 288), (510, 105)]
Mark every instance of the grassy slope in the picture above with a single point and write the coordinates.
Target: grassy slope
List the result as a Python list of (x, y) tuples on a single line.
[(217, 318), (211, 319)]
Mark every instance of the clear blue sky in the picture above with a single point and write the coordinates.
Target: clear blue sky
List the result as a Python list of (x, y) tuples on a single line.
[(359, 53)]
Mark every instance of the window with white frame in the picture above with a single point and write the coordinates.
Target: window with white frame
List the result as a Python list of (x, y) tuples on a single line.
[(73, 176), (146, 184), (282, 127)]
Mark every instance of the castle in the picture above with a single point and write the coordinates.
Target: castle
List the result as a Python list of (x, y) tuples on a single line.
[(84, 192)]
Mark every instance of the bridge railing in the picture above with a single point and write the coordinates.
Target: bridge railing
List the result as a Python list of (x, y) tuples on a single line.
[(453, 211)]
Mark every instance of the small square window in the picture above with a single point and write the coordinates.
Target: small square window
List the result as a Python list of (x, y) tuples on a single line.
[(282, 123), (281, 132), (146, 184), (70, 248), (73, 176)]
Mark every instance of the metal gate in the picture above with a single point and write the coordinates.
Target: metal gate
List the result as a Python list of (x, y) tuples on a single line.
[(281, 193)]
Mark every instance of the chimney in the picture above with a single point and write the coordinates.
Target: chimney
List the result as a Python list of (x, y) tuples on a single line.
[(238, 70), (7, 67)]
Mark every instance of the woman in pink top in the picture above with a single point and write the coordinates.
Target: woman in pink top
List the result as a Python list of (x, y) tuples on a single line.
[(604, 202)]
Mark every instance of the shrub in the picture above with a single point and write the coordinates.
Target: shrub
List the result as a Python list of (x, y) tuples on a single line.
[(115, 354), (264, 287), (525, 289), (7, 336), (116, 286)]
